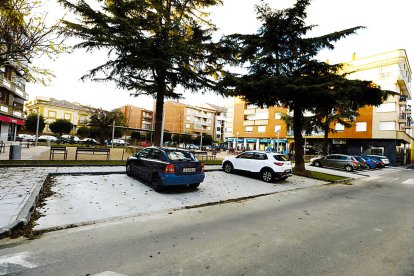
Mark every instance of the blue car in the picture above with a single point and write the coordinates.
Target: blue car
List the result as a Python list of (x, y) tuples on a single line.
[(377, 161), (366, 163), (164, 167)]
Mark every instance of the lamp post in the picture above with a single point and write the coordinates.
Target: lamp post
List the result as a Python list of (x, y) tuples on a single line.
[(277, 141), (37, 125), (113, 133), (162, 128)]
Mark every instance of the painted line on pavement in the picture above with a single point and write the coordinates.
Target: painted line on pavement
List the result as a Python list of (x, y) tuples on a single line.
[(408, 181)]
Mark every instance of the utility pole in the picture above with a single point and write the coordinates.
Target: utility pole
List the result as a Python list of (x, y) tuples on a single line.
[(37, 125), (113, 133)]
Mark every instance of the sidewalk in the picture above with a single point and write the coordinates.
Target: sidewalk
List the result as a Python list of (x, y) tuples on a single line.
[(26, 153)]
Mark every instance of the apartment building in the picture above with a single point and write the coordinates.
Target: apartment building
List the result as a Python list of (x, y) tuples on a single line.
[(183, 118), (220, 117), (383, 130), (137, 117), (386, 129), (12, 98), (250, 127), (53, 109)]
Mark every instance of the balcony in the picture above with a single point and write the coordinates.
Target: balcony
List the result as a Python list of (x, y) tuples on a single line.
[(13, 88), (7, 110), (402, 118)]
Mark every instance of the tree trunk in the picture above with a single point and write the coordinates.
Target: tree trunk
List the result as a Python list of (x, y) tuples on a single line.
[(325, 139), (297, 132), (159, 111)]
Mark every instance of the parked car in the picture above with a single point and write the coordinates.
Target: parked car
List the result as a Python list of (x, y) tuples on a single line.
[(192, 147), (380, 163), (117, 142), (25, 137), (163, 167), (70, 139), (362, 163), (340, 161), (44, 138), (384, 159), (269, 165), (372, 163), (89, 141)]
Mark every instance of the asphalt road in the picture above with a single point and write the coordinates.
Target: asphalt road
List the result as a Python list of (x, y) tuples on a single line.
[(362, 229)]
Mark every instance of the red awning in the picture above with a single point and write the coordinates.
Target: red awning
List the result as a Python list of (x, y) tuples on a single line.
[(11, 120)]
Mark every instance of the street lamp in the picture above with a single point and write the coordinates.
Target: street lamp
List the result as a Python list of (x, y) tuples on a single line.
[(37, 125), (277, 141)]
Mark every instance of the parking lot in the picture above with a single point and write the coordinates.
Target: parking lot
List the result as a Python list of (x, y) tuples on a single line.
[(84, 199)]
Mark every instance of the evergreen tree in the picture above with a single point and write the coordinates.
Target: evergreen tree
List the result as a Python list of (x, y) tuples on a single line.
[(61, 126), (155, 46), (283, 70), (31, 123)]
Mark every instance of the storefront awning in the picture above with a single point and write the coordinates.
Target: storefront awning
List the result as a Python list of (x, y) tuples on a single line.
[(11, 120)]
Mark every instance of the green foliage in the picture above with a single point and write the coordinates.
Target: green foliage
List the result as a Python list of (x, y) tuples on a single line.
[(102, 120), (186, 138), (83, 132), (25, 35), (31, 123), (156, 46), (61, 126), (283, 69)]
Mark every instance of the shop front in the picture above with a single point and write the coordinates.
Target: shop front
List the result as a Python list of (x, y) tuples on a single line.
[(241, 144)]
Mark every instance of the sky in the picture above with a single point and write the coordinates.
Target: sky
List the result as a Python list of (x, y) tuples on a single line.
[(388, 27)]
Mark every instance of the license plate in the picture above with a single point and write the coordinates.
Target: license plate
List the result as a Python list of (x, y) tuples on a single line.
[(189, 170), (288, 171)]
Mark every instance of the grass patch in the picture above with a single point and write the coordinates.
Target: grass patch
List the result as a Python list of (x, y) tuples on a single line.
[(212, 162), (42, 163), (320, 176)]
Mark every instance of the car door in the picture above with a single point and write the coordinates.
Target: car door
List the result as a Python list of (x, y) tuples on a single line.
[(327, 161), (243, 161), (258, 162), (338, 161), (138, 164), (153, 163)]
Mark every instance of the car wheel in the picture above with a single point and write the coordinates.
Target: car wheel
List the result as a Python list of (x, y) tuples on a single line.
[(194, 185), (267, 175), (156, 183), (317, 164), (128, 169), (368, 167), (228, 167), (349, 168)]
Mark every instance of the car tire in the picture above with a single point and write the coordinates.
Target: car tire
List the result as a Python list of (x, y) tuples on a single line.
[(317, 164), (195, 185), (156, 183), (228, 167), (368, 167), (128, 169), (267, 175), (349, 168)]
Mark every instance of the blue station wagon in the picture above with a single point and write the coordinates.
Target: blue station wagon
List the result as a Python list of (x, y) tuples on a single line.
[(166, 167)]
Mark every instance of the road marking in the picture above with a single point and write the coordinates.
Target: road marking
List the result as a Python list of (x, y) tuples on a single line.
[(409, 181), (109, 273), (16, 263), (393, 179)]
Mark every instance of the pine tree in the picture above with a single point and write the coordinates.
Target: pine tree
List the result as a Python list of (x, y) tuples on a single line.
[(155, 46), (283, 69)]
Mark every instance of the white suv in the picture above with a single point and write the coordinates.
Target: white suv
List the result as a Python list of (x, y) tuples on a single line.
[(268, 164)]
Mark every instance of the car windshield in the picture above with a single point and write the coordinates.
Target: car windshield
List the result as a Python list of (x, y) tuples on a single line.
[(279, 157), (177, 155)]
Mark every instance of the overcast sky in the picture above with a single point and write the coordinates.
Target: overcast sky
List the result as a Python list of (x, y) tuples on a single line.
[(388, 25)]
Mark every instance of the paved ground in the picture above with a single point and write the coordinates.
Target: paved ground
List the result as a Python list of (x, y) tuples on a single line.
[(26, 153)]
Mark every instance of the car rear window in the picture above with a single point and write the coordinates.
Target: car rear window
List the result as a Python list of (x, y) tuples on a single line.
[(178, 155), (280, 157)]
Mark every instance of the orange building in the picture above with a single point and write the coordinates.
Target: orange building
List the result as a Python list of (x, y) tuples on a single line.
[(137, 117)]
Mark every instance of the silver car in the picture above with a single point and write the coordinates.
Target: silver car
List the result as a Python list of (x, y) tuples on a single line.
[(340, 161)]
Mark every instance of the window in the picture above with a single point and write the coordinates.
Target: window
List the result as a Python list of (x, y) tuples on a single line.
[(278, 115), (262, 115), (361, 126), (68, 116), (51, 114), (386, 107), (218, 128), (246, 155), (188, 118), (277, 128), (187, 125), (154, 154), (387, 126), (339, 127), (144, 153), (260, 156), (261, 128), (249, 129)]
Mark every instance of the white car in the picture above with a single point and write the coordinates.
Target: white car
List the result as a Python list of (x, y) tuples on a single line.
[(268, 164), (118, 142), (68, 138), (25, 137), (44, 138), (89, 141), (383, 158)]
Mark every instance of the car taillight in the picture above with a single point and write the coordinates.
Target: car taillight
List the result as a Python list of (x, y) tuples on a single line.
[(169, 169), (202, 167), (278, 164), (363, 162), (355, 162)]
